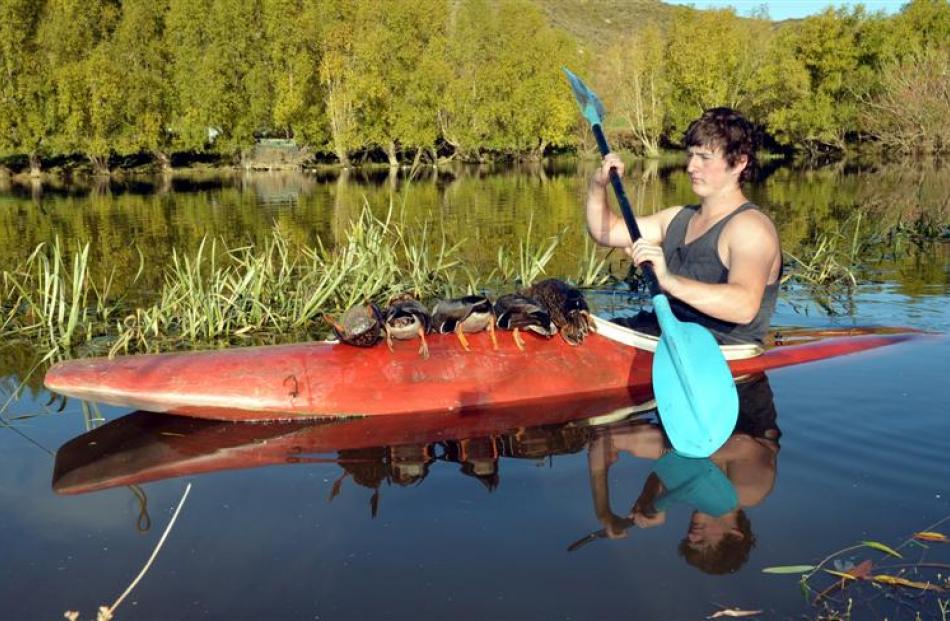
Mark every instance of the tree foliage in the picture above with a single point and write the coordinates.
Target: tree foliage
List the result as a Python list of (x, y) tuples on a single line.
[(478, 79)]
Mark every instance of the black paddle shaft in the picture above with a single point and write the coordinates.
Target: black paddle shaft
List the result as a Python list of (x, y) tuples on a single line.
[(653, 286)]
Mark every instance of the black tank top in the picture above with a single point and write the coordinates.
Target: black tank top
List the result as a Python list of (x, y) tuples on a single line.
[(699, 260)]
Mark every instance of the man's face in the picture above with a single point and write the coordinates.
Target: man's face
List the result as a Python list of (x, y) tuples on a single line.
[(706, 531), (709, 173)]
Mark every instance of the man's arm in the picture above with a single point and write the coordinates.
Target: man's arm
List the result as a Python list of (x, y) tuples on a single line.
[(752, 255), (608, 228)]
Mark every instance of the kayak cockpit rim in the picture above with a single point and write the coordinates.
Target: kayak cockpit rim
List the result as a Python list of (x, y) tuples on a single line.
[(620, 334)]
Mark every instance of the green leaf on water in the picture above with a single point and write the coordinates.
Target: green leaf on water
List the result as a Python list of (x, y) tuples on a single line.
[(788, 569), (877, 545)]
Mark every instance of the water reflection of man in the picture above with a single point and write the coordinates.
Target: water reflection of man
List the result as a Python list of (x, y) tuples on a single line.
[(719, 538)]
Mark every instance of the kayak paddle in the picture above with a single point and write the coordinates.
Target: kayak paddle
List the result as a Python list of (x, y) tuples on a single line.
[(694, 390)]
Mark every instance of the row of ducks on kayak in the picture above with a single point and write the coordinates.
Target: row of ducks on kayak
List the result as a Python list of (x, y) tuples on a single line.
[(546, 308)]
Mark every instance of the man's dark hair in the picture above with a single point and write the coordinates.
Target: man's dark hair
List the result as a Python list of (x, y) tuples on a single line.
[(725, 557), (729, 131)]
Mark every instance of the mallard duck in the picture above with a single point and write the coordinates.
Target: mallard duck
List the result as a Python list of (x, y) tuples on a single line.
[(361, 325), (567, 307), (472, 313), (515, 312), (406, 318)]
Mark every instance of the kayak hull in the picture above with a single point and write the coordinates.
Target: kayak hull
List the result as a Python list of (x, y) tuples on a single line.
[(330, 380)]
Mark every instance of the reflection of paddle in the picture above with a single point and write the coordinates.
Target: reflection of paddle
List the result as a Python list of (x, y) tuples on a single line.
[(695, 392), (625, 523)]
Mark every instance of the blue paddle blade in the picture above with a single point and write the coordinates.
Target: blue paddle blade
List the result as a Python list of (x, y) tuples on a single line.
[(695, 393), (591, 107)]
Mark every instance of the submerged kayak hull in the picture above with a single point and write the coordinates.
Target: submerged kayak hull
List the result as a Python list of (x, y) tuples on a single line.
[(329, 380)]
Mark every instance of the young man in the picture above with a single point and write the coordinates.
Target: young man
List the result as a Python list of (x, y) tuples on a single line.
[(719, 262)]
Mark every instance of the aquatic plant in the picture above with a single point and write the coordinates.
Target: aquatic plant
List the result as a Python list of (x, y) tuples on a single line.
[(857, 582), (593, 269), (276, 290), (54, 303), (531, 259), (826, 265)]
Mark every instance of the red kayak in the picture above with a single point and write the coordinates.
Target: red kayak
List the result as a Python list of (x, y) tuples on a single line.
[(331, 380)]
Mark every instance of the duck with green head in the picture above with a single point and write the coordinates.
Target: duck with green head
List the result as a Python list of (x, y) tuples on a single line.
[(472, 313), (516, 312)]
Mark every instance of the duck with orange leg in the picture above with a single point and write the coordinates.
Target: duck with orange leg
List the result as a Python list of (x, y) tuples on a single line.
[(406, 318), (517, 312), (472, 313), (361, 326), (567, 307)]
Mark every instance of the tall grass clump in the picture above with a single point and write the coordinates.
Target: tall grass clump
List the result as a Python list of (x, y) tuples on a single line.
[(527, 263), (826, 265), (53, 299), (219, 293)]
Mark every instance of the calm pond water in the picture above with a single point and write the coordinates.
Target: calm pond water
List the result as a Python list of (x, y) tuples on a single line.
[(354, 521)]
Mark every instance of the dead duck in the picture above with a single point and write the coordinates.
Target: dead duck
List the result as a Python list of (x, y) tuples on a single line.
[(406, 318), (516, 312), (361, 325), (567, 307), (472, 313)]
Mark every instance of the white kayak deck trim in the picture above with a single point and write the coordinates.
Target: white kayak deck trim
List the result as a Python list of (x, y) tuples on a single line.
[(617, 333)]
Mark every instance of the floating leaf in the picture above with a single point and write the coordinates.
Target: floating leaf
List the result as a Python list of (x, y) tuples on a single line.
[(861, 570), (788, 569), (877, 545), (904, 582), (840, 574), (734, 612), (931, 536)]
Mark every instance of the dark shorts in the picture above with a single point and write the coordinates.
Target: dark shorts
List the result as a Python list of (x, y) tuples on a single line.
[(757, 415)]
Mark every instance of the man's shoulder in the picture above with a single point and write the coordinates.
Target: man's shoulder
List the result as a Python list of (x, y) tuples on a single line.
[(751, 222)]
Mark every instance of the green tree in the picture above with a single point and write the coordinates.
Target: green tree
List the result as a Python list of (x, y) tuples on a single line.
[(137, 54), (398, 73), (186, 42), (74, 36), (26, 105), (506, 93), (923, 25), (292, 29), (223, 90), (337, 72), (808, 87), (541, 111), (711, 60), (634, 74)]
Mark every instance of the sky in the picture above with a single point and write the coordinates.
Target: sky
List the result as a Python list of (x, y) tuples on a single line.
[(786, 9)]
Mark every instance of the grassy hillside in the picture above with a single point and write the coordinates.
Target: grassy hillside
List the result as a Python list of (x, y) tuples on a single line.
[(596, 24)]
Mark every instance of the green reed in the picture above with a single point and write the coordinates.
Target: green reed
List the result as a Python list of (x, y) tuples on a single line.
[(593, 269), (275, 290), (531, 257), (827, 263), (54, 298)]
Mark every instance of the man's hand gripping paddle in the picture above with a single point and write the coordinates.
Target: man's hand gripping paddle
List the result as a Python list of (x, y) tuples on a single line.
[(694, 390)]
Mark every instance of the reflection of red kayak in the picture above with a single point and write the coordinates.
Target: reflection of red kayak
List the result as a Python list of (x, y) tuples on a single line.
[(330, 380), (145, 446)]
